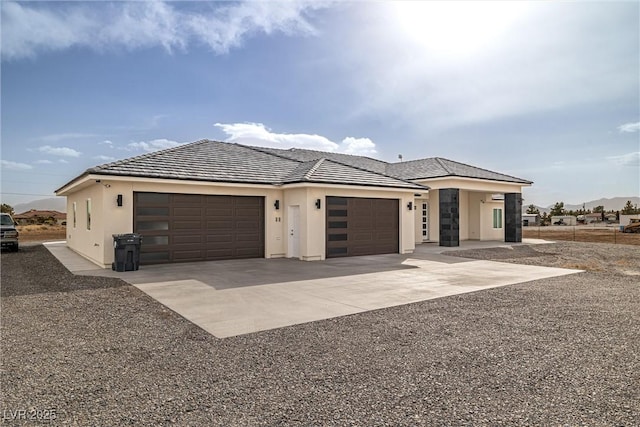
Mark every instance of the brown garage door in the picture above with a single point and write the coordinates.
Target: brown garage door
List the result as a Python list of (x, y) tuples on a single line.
[(361, 226), (190, 227)]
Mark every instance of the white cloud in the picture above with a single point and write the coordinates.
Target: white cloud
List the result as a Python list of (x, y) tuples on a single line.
[(629, 127), (59, 151), (259, 135), (359, 146), (43, 162), (29, 29), (62, 161), (629, 159), (156, 144), (107, 142), (6, 164)]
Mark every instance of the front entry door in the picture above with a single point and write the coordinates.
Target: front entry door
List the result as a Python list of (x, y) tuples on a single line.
[(293, 249), (424, 220)]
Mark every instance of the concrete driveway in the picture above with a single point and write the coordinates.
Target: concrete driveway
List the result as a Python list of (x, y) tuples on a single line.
[(228, 298)]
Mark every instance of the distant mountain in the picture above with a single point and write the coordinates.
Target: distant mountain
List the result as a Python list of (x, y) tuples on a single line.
[(52, 204), (613, 204)]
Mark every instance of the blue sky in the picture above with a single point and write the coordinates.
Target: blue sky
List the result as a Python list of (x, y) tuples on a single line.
[(547, 91)]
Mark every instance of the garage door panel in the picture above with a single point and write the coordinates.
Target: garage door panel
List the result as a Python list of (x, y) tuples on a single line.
[(361, 226), (193, 255), (178, 239), (219, 225), (219, 211), (361, 236), (186, 225), (199, 227), (219, 254), (191, 211), (186, 199)]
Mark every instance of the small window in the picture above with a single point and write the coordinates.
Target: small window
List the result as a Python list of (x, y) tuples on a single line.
[(75, 210), (340, 201), (88, 214), (337, 237), (497, 218), (337, 251), (337, 224)]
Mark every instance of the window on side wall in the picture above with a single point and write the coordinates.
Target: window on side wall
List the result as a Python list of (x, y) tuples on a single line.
[(497, 218), (75, 210), (88, 214)]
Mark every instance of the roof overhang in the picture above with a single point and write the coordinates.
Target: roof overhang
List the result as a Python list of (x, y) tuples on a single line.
[(473, 184), (88, 179)]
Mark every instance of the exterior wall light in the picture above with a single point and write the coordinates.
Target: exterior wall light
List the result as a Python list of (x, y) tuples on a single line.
[(277, 204), (318, 203), (410, 206), (119, 199)]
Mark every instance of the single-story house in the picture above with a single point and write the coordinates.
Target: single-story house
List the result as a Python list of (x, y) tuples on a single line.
[(563, 220), (593, 217), (529, 220), (626, 219), (211, 200), (34, 216)]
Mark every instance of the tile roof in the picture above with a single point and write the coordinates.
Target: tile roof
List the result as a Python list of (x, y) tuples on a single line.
[(204, 161), (437, 167), (236, 163), (305, 155), (225, 162), (332, 172)]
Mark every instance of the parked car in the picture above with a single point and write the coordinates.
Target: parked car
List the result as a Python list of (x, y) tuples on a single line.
[(8, 233)]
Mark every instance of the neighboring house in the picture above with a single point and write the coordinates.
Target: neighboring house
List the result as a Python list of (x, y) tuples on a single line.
[(41, 217), (610, 217), (593, 217), (529, 220), (563, 220), (626, 219), (213, 200)]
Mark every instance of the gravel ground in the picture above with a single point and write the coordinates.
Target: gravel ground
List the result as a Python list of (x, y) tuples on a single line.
[(561, 351)]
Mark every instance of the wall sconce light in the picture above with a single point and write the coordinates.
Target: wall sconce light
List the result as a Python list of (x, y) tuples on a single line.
[(410, 206), (277, 204), (119, 199), (318, 203)]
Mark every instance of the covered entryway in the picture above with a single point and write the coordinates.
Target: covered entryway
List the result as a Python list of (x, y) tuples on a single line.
[(193, 227), (361, 226)]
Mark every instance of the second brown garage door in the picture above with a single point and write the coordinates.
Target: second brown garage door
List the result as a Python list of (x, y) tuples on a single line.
[(362, 226), (191, 227)]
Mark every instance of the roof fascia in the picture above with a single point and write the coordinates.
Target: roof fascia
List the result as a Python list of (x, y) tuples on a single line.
[(465, 178), (350, 187)]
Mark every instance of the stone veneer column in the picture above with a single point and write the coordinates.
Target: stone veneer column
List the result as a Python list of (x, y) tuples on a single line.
[(449, 217), (513, 217)]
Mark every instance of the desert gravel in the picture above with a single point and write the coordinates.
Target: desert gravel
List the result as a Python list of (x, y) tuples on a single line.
[(562, 352)]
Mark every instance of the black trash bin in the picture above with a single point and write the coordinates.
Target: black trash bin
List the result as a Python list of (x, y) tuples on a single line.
[(126, 252)]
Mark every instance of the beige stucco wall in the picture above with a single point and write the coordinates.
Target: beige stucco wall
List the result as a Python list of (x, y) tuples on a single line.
[(475, 210), (475, 203), (108, 218), (313, 220), (486, 220), (88, 243)]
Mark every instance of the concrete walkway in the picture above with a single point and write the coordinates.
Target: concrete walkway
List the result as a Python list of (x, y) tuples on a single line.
[(228, 298)]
